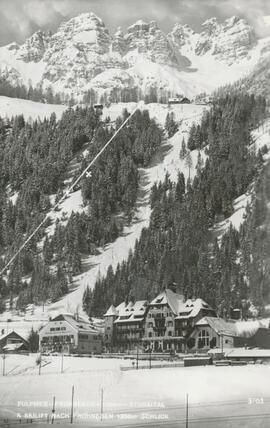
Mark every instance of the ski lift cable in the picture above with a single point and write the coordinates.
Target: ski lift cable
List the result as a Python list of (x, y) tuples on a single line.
[(69, 190)]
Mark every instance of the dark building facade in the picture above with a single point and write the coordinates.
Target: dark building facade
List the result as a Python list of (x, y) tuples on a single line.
[(124, 326)]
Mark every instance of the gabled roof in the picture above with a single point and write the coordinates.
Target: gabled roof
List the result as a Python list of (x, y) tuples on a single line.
[(219, 325), (167, 296), (191, 308), (4, 336), (112, 311), (77, 322), (132, 312)]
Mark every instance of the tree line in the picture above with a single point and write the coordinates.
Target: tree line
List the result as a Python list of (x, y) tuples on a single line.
[(180, 248), (34, 161)]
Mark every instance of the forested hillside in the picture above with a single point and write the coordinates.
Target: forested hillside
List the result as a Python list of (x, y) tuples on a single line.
[(179, 248), (33, 163)]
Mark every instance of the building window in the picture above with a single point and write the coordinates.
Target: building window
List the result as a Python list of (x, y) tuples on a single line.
[(150, 324), (150, 334), (52, 329), (83, 336), (203, 339), (169, 324)]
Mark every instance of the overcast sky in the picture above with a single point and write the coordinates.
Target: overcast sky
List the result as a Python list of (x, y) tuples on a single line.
[(20, 18)]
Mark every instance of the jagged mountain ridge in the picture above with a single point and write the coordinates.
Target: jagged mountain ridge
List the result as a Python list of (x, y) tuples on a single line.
[(82, 55)]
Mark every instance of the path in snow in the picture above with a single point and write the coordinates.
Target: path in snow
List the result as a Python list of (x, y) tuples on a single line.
[(118, 251), (167, 160)]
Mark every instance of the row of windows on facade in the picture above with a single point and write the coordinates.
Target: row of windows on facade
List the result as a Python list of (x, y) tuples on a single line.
[(168, 324), (150, 334), (68, 338), (57, 328), (52, 339), (159, 314)]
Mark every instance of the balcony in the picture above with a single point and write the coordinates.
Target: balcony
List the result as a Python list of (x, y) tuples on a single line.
[(165, 337)]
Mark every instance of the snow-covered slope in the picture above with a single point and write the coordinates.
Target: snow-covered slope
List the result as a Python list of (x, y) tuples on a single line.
[(13, 107), (82, 55), (261, 138), (118, 251)]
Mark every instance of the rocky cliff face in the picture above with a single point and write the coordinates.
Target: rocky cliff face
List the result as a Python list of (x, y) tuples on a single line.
[(148, 39), (34, 47), (82, 55), (227, 42)]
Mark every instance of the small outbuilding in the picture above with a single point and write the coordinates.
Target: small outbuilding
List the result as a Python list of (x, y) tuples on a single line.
[(178, 100), (12, 342)]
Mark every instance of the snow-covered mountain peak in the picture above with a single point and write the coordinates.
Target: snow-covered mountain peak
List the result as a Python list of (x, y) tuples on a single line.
[(229, 42), (210, 25), (85, 29), (148, 39), (82, 55), (181, 35), (140, 24), (84, 21), (35, 46)]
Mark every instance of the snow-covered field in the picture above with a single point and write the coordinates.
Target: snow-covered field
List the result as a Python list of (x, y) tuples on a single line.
[(14, 106), (213, 391)]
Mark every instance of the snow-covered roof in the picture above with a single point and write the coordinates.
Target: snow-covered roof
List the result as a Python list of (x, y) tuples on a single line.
[(170, 298), (78, 323), (13, 346), (251, 353), (249, 328), (219, 325), (131, 312), (191, 308), (234, 328), (4, 336), (111, 312)]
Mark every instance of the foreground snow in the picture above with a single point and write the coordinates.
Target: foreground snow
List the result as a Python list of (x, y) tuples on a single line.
[(218, 390)]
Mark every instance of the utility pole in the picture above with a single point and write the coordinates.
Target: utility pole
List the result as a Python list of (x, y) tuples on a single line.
[(39, 366), (221, 338), (4, 363), (187, 411), (53, 410), (62, 362), (137, 359), (72, 402), (101, 404), (150, 356)]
